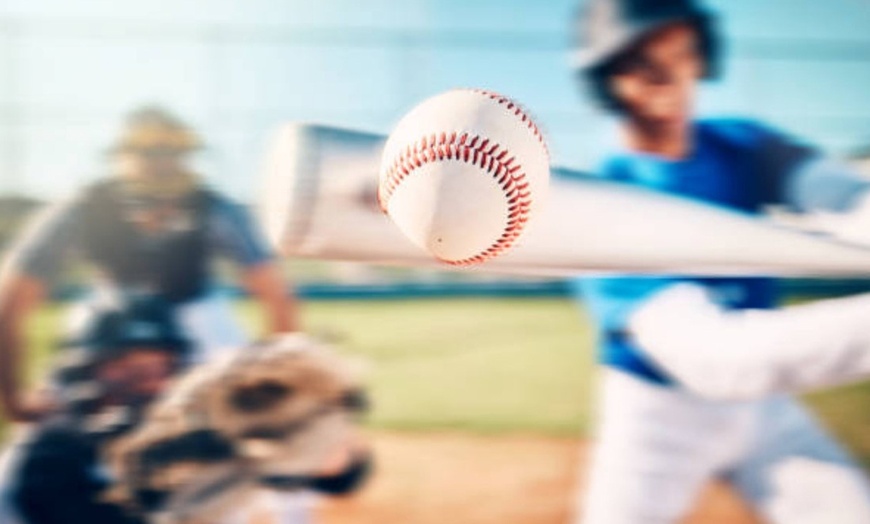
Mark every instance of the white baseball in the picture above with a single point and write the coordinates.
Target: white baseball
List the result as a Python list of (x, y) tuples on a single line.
[(462, 173)]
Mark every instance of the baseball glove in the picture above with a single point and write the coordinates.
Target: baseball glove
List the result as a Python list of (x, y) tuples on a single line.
[(268, 415)]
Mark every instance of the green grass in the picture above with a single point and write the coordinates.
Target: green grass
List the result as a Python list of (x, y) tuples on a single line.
[(520, 365), (43, 332), (846, 412), (482, 365)]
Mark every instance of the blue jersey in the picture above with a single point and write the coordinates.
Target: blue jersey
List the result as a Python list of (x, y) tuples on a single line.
[(734, 163)]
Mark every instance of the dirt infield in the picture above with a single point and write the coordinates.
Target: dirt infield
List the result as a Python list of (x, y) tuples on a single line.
[(465, 479)]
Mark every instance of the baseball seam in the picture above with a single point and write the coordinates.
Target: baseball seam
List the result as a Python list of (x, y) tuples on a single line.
[(519, 111), (478, 151)]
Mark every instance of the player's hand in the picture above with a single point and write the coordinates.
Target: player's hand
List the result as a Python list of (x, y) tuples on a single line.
[(31, 408)]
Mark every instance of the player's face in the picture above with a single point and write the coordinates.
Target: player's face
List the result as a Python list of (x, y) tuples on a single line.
[(152, 163), (140, 374), (656, 81)]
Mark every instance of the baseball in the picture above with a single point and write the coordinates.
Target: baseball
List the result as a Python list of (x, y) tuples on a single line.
[(462, 173)]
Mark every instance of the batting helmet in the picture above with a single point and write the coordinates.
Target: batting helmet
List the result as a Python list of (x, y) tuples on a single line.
[(605, 29)]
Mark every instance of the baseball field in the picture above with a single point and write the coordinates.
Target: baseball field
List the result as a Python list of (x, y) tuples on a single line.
[(482, 408)]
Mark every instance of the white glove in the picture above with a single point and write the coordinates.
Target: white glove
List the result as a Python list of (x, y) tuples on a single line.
[(746, 354)]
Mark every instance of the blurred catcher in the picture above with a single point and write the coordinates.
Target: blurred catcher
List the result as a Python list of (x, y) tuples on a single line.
[(277, 418), (113, 367), (152, 227)]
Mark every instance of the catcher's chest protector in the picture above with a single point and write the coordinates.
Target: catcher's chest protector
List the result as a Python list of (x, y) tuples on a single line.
[(174, 264)]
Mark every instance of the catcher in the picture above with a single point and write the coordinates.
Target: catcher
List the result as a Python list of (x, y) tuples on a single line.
[(279, 418)]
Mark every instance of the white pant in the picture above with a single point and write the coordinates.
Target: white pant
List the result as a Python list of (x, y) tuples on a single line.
[(658, 447)]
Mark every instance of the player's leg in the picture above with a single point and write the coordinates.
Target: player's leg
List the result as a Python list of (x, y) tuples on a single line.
[(657, 449), (796, 473)]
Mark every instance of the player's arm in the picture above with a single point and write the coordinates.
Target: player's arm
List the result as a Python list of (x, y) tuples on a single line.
[(32, 262), (266, 283), (55, 484), (737, 354), (238, 238), (827, 185), (744, 354), (20, 295)]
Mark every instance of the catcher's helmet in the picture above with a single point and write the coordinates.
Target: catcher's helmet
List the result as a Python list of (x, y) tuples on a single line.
[(143, 322), (605, 29)]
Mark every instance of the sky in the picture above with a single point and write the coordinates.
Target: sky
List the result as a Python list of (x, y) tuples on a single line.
[(70, 69)]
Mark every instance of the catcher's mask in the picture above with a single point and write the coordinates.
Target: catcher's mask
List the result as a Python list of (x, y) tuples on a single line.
[(607, 29)]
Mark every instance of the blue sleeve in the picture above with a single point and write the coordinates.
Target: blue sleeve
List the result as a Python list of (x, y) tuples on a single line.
[(234, 234), (611, 300), (48, 240)]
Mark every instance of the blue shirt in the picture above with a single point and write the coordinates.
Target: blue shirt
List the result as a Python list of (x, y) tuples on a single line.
[(738, 164)]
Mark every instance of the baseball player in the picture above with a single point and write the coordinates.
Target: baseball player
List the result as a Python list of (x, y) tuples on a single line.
[(695, 369), (110, 371), (151, 227)]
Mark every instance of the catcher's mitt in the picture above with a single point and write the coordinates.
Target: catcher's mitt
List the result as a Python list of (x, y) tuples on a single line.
[(272, 411)]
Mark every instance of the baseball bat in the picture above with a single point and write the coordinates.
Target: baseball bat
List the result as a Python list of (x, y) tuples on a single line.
[(320, 201)]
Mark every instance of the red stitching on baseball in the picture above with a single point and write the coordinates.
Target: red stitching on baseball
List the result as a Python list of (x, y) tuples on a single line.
[(519, 111), (474, 150)]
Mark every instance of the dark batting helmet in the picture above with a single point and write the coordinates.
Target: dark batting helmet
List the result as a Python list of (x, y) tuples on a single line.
[(143, 322), (606, 29)]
